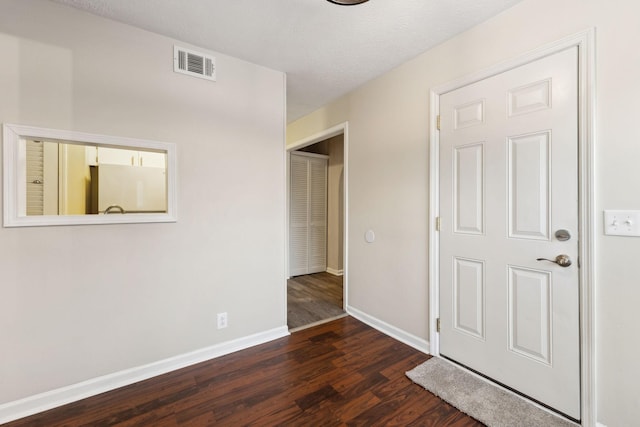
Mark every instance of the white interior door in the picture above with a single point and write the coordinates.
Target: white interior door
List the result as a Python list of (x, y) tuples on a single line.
[(508, 187), (308, 214)]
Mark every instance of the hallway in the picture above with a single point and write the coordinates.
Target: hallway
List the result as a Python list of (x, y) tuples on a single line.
[(312, 298)]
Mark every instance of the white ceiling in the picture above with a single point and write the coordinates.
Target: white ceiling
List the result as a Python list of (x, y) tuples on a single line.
[(326, 50)]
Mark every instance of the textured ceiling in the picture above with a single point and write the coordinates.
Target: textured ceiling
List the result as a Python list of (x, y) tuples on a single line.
[(326, 50)]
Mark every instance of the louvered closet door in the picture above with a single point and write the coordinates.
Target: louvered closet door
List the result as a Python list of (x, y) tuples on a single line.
[(42, 178), (308, 214), (298, 229), (35, 178)]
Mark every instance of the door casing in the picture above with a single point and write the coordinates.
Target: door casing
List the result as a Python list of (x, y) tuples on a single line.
[(585, 42), (340, 129)]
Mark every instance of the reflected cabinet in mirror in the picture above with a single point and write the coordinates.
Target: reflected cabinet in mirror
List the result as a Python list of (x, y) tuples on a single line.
[(57, 177)]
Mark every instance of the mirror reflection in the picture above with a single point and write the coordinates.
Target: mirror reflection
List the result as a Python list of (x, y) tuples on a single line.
[(71, 178), (64, 177)]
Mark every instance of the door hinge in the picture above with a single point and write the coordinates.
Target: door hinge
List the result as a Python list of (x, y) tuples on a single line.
[(437, 223), (438, 324), (438, 122)]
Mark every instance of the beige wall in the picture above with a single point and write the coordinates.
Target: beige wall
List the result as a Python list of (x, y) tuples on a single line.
[(388, 174), (77, 180), (321, 147), (335, 204), (51, 197), (85, 301)]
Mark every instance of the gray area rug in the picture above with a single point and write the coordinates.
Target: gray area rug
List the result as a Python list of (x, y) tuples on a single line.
[(480, 399)]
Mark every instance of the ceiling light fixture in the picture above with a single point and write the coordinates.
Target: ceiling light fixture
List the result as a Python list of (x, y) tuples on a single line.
[(347, 2)]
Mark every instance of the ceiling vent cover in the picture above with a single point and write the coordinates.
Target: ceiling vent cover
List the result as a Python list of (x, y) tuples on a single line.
[(194, 63)]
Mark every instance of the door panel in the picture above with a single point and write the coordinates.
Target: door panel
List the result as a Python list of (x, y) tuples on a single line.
[(468, 282), (530, 313), (468, 188), (529, 167), (508, 181)]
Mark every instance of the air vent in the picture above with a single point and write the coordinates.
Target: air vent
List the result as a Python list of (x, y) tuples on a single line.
[(193, 63)]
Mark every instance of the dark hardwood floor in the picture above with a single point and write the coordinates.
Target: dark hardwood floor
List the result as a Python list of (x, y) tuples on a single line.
[(312, 298), (339, 373)]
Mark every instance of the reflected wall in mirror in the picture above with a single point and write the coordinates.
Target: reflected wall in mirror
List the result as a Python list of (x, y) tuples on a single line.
[(54, 177), (78, 179)]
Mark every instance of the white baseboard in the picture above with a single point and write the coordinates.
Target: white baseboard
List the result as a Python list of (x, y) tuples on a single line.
[(335, 272), (51, 399), (387, 329), (600, 425)]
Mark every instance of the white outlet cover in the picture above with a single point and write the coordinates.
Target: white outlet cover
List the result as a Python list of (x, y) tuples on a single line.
[(222, 320), (370, 236)]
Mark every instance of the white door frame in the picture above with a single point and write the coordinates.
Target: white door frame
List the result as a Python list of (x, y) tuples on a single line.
[(340, 129), (585, 42)]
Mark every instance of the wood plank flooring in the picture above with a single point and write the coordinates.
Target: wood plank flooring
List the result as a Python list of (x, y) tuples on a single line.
[(312, 298), (339, 373)]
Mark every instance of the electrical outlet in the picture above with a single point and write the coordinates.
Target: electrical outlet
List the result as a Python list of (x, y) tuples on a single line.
[(222, 320)]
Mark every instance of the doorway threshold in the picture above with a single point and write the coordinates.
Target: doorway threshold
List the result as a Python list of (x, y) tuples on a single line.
[(319, 322)]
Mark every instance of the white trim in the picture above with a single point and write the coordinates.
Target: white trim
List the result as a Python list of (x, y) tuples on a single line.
[(335, 272), (434, 212), (63, 181), (312, 155), (390, 330), (345, 225), (285, 177), (585, 42), (342, 128), (320, 136), (600, 425), (318, 323), (587, 138), (51, 399)]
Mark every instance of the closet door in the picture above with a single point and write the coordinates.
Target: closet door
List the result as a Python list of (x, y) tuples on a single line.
[(308, 214), (298, 229)]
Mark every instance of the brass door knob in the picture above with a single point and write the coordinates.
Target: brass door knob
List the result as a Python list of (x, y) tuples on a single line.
[(561, 260)]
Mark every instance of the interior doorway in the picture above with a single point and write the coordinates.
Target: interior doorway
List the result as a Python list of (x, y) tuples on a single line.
[(317, 295)]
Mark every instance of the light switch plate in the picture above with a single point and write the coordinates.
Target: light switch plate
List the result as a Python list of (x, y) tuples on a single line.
[(622, 223)]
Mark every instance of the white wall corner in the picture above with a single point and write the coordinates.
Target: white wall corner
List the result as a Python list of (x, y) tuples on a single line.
[(51, 399), (387, 329)]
